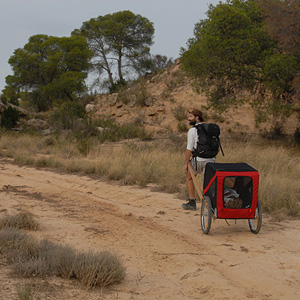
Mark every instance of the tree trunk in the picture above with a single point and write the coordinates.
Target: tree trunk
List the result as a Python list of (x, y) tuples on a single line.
[(120, 66), (107, 69)]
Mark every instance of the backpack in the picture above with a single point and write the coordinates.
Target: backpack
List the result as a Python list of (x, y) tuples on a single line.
[(208, 143)]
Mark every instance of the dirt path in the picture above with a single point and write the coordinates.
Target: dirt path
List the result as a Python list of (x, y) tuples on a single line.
[(166, 255)]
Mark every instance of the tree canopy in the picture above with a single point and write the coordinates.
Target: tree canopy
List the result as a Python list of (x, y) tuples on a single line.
[(282, 20), (231, 51), (119, 42), (49, 68)]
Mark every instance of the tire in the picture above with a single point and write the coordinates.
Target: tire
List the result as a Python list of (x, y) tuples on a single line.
[(206, 215), (255, 224)]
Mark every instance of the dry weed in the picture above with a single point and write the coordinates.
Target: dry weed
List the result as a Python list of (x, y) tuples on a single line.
[(31, 258), (161, 163), (98, 269), (23, 220), (17, 246)]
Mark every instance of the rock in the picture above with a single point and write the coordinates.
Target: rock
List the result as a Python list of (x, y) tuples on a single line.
[(22, 111), (100, 129), (89, 108), (38, 124), (112, 99), (16, 129), (131, 104), (149, 101), (47, 131), (151, 114), (2, 106)]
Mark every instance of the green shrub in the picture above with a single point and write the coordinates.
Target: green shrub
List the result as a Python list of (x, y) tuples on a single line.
[(181, 127), (113, 88), (180, 112), (275, 133), (26, 293), (142, 96), (67, 116), (39, 100), (83, 145), (9, 118)]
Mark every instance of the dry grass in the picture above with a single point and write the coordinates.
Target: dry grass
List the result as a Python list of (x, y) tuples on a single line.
[(23, 220), (161, 163), (26, 293), (31, 258), (279, 170), (98, 269)]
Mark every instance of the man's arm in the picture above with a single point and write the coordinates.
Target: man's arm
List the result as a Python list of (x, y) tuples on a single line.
[(188, 154)]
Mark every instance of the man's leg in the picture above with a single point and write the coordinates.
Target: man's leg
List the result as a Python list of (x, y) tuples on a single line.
[(190, 186), (191, 205)]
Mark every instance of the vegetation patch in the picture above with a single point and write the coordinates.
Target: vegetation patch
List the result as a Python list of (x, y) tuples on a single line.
[(23, 220), (31, 258), (161, 163)]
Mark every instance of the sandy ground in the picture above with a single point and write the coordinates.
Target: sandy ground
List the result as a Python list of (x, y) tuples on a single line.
[(162, 246)]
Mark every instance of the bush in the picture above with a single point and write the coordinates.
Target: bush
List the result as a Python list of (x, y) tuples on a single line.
[(112, 132), (30, 257), (26, 293), (23, 220), (83, 145), (275, 133), (17, 246), (98, 269), (117, 85), (39, 100), (9, 118), (180, 113), (181, 127), (67, 116)]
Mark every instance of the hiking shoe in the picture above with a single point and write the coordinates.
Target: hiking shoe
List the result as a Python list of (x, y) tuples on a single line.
[(191, 205)]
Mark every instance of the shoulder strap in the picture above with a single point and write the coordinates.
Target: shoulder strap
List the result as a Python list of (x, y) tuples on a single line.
[(221, 146)]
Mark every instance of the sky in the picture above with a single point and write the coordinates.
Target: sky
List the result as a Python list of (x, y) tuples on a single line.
[(173, 20)]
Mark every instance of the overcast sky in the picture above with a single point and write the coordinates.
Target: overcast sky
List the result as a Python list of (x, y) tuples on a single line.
[(173, 20)]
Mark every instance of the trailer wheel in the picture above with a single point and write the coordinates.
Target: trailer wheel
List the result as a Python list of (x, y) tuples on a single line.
[(206, 215), (255, 224)]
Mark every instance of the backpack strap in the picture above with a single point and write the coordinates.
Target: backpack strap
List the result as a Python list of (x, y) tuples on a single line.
[(221, 146)]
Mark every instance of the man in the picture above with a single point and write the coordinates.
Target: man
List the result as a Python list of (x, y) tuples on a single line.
[(194, 118)]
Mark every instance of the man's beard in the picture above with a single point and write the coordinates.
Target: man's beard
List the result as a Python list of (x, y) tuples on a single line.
[(192, 123)]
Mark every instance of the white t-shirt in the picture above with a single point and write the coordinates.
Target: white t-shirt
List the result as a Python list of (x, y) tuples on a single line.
[(192, 139)]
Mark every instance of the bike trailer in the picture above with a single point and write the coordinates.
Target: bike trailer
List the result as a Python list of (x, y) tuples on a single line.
[(230, 191)]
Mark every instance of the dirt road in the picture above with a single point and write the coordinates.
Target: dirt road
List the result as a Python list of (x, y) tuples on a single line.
[(164, 250)]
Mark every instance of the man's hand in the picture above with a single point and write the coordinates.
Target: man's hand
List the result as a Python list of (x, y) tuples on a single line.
[(186, 168)]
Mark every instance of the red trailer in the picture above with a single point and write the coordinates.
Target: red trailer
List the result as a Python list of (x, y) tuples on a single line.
[(230, 191)]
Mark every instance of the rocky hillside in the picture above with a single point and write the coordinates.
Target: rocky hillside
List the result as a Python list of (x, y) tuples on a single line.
[(161, 103)]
